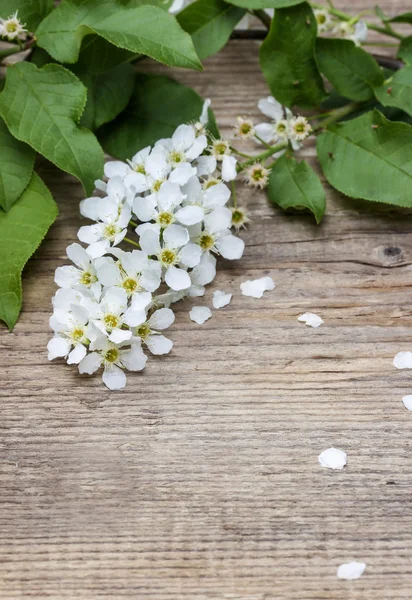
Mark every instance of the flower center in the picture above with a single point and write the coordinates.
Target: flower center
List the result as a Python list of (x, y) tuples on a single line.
[(130, 285), (11, 27), (167, 257), (140, 169), (111, 355), (237, 216), (257, 174), (281, 127), (165, 219), (87, 278), (77, 334), (111, 321), (110, 231), (321, 18), (220, 148), (245, 128), (210, 183), (176, 157), (156, 185), (143, 331), (206, 241)]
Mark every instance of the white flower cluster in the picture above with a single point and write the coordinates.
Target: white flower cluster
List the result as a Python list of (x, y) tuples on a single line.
[(112, 303), (12, 28)]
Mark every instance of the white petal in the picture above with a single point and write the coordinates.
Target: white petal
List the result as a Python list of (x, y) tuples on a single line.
[(136, 182), (196, 148), (159, 344), (205, 271), (141, 229), (116, 189), (161, 319), (124, 216), (271, 108), (134, 359), (65, 297), (352, 570), (219, 219), (89, 208), (191, 255), (193, 188), (90, 363), (134, 317), (145, 208), (156, 165), (177, 279), (58, 347), (151, 278), (115, 300), (175, 236), (108, 273), (217, 195), (169, 196), (256, 287), (89, 234), (230, 247), (98, 249), (182, 174), (118, 336), (149, 242), (115, 168), (332, 458), (310, 319), (206, 165), (204, 117), (229, 171), (403, 360), (407, 402), (78, 255), (183, 137), (67, 276), (221, 299), (200, 314), (141, 156), (141, 300), (76, 355), (190, 215), (266, 132), (114, 378)]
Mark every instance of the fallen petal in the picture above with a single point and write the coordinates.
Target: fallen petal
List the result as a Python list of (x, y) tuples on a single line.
[(407, 402), (200, 314), (352, 570), (403, 360), (256, 287), (333, 458), (311, 319), (221, 299)]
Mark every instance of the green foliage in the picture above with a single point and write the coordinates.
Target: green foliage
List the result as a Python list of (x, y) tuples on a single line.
[(210, 23), (403, 18), (146, 30), (352, 71), (287, 57), (369, 157), (21, 231), (294, 184), (405, 50), (254, 4), (31, 12), (157, 107), (108, 94), (397, 90), (16, 167), (42, 108)]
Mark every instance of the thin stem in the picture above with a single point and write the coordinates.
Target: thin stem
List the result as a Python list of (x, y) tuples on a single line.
[(262, 141), (240, 153), (338, 114), (262, 16), (261, 156), (131, 242), (234, 196), (383, 44), (133, 223)]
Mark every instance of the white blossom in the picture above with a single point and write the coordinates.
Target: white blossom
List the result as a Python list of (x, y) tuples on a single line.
[(12, 28)]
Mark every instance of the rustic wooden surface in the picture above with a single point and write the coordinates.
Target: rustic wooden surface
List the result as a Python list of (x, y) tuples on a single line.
[(200, 481)]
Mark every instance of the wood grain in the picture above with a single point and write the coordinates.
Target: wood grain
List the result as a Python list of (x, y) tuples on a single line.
[(200, 480)]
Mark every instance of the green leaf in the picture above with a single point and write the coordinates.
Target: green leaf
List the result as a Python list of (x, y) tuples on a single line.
[(287, 57), (370, 158), (210, 23), (397, 91), (294, 184), (352, 71), (157, 107), (16, 167), (21, 231), (403, 18), (30, 12), (107, 94), (42, 108), (97, 55), (253, 4), (405, 50), (145, 30)]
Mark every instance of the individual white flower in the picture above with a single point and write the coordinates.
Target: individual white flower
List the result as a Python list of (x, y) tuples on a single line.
[(240, 218), (299, 128), (12, 28), (352, 570), (83, 274), (181, 149), (244, 128), (114, 358), (333, 458), (108, 316), (131, 176), (356, 32), (133, 271), (215, 236), (257, 176), (277, 130), (111, 226), (200, 314), (148, 331), (323, 19), (256, 287), (221, 299), (174, 250), (219, 148)]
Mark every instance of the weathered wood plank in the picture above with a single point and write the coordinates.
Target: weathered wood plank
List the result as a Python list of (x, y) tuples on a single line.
[(200, 480)]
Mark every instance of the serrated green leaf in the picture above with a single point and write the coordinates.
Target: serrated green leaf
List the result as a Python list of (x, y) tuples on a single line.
[(158, 105), (21, 231), (97, 55), (30, 12), (254, 4), (210, 23), (403, 18), (16, 167), (145, 30), (294, 184), (370, 158), (397, 91), (42, 108), (352, 71), (287, 57), (108, 94), (405, 50)]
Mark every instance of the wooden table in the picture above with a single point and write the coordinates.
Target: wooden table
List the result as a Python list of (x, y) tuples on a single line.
[(200, 480)]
